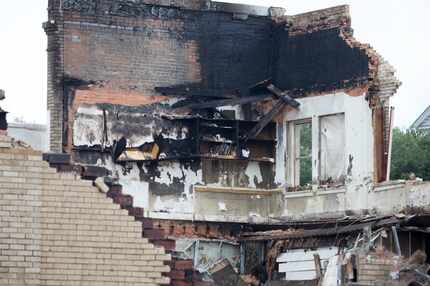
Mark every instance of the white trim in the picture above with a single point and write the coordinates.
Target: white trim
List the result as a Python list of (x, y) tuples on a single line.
[(301, 194)]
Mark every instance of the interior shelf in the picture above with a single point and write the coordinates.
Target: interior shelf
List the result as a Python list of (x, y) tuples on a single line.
[(218, 139)]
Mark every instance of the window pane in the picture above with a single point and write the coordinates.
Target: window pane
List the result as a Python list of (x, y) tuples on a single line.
[(332, 145), (303, 166), (305, 140), (305, 171)]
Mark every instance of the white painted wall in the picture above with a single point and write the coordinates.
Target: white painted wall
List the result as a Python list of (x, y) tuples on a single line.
[(358, 159), (358, 129), (358, 194)]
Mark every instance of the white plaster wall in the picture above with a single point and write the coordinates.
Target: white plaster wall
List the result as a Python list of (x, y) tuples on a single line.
[(358, 159), (181, 203), (358, 194), (386, 199), (395, 198)]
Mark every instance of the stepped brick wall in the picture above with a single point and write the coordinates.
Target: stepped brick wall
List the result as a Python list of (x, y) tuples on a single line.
[(57, 229), (182, 271)]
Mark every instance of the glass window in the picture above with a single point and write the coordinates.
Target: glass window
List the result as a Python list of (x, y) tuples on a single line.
[(303, 154)]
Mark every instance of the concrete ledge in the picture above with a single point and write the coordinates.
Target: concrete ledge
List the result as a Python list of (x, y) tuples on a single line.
[(320, 192), (301, 194), (389, 186), (241, 191), (331, 191)]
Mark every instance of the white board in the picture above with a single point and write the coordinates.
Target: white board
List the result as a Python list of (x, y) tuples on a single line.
[(299, 265), (300, 276), (303, 255)]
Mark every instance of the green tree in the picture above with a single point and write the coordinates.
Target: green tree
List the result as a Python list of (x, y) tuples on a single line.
[(410, 154)]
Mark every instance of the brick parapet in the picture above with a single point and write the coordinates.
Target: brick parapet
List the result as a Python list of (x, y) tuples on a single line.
[(325, 19)]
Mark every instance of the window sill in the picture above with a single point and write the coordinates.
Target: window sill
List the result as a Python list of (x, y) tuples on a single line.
[(318, 192), (299, 194), (328, 191)]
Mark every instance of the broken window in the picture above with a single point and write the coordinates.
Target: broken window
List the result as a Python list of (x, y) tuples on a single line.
[(332, 149), (303, 153)]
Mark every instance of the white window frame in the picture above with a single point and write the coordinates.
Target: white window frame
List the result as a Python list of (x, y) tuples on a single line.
[(293, 180), (293, 177)]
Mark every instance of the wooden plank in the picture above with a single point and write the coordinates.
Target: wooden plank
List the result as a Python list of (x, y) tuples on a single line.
[(312, 233), (318, 268), (229, 102), (378, 130)]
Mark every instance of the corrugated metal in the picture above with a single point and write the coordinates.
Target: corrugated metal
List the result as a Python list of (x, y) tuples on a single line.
[(423, 121), (426, 122)]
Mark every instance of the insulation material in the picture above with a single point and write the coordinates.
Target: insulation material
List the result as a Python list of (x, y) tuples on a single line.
[(298, 265), (88, 127), (332, 160)]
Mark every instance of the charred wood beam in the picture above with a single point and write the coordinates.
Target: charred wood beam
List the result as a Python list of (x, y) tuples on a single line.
[(322, 231), (284, 96), (187, 101), (280, 104), (260, 86), (183, 91), (226, 102), (118, 147), (284, 99), (309, 233)]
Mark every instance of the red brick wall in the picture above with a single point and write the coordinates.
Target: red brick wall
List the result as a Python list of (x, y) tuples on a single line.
[(130, 59)]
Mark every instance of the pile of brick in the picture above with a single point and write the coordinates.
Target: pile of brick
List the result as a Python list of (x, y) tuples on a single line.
[(374, 268)]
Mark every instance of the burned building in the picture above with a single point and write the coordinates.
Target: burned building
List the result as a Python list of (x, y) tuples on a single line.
[(209, 119), (186, 103)]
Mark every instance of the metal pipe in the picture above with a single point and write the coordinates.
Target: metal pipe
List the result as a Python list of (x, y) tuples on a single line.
[(396, 240)]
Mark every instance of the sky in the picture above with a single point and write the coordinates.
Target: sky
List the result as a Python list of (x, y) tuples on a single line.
[(397, 29)]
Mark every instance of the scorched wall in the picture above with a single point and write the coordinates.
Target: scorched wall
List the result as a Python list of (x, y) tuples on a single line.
[(110, 60)]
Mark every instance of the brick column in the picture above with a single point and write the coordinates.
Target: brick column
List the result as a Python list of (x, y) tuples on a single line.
[(55, 86)]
